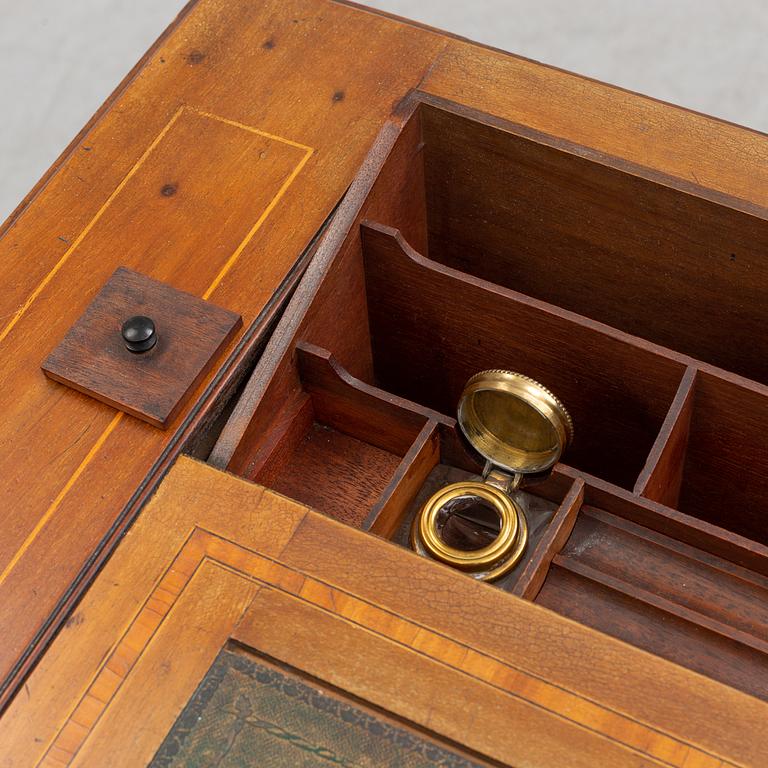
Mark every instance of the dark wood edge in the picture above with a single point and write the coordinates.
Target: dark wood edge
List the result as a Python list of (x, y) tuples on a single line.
[(122, 86), (412, 472), (535, 570), (427, 264), (675, 425), (284, 432)]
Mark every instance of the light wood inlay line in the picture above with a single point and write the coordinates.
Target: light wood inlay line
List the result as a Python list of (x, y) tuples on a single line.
[(230, 262), (62, 493), (653, 744), (79, 239)]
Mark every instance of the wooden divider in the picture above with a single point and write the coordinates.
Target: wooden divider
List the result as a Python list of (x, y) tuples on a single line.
[(538, 561), (662, 475), (725, 469), (660, 535), (386, 516), (659, 263), (432, 328), (359, 409), (664, 596)]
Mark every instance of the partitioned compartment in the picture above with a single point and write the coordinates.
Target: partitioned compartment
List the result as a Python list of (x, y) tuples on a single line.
[(333, 442), (670, 597), (532, 213), (719, 467), (432, 328), (475, 247)]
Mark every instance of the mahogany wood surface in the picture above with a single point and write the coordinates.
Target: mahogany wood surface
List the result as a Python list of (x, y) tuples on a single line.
[(686, 274), (518, 685), (728, 431), (675, 603), (151, 385), (412, 327), (416, 307), (662, 475), (258, 142), (214, 168), (536, 566)]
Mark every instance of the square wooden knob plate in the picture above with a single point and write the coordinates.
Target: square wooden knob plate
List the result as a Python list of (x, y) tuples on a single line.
[(151, 385)]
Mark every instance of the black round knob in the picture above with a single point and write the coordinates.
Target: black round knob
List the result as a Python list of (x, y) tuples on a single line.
[(139, 333)]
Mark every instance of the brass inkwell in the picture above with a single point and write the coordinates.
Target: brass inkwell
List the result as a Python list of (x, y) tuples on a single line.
[(520, 430)]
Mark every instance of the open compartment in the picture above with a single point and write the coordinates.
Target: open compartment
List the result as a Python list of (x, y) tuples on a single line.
[(464, 245), (713, 462), (673, 598), (362, 455), (333, 442), (432, 328)]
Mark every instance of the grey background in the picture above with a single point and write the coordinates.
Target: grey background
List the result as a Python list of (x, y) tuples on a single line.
[(61, 59)]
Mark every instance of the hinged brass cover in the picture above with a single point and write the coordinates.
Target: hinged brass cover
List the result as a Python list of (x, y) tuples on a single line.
[(514, 422), (521, 429)]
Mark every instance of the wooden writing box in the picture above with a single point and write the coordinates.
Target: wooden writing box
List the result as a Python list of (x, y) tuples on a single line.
[(434, 209), (479, 248)]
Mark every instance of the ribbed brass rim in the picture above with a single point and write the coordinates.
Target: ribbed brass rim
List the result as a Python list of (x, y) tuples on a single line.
[(530, 444)]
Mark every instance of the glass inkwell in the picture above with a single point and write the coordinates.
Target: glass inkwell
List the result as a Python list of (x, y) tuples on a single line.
[(519, 429)]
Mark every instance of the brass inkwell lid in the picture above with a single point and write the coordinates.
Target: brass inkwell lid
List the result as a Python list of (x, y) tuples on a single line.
[(513, 422), (520, 429)]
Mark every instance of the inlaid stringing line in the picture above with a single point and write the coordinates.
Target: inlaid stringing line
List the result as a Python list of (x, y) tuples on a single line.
[(203, 545), (88, 227), (308, 151)]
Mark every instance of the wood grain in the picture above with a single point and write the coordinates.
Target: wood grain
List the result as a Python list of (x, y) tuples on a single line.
[(667, 598), (483, 704), (557, 533), (617, 391), (635, 254), (181, 646), (609, 124), (539, 643), (662, 476), (727, 441), (137, 623), (185, 122), (153, 385), (217, 189)]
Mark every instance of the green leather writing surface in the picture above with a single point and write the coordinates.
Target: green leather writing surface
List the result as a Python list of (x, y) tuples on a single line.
[(247, 714)]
